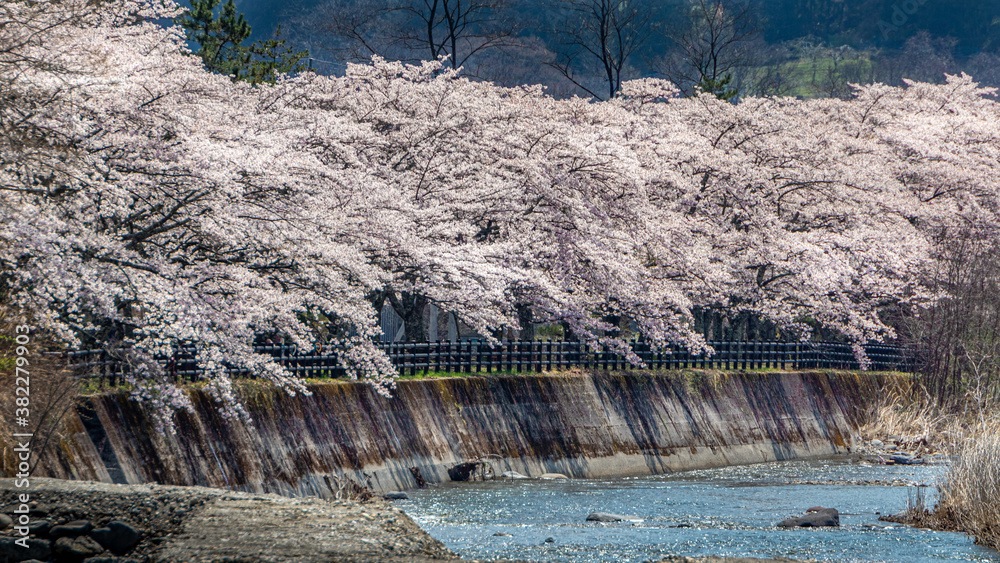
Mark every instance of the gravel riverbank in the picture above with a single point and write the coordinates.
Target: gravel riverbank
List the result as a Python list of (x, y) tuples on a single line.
[(196, 524)]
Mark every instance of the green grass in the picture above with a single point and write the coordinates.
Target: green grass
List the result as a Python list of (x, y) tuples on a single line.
[(446, 374), (693, 375), (95, 385), (808, 75)]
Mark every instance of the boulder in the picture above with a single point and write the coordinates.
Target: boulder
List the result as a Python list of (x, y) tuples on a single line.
[(877, 443), (5, 521), (553, 476), (39, 527), (74, 550), (550, 540), (608, 517), (513, 475), (463, 471), (905, 460), (395, 495), (503, 535), (814, 518), (71, 529), (118, 537), (37, 549)]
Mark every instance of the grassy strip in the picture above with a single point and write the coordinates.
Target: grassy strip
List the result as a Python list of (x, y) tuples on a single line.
[(95, 385)]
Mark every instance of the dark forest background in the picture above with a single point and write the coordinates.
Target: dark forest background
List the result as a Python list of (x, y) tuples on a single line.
[(802, 48)]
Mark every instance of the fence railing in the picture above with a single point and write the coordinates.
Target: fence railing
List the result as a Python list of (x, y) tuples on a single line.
[(475, 356)]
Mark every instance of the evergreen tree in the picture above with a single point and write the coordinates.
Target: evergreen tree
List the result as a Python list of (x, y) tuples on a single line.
[(220, 44), (718, 87), (273, 56)]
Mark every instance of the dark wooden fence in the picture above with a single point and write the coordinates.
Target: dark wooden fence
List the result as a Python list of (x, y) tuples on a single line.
[(476, 356)]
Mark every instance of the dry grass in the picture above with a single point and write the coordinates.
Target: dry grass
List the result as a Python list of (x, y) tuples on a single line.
[(908, 411), (970, 492), (53, 392)]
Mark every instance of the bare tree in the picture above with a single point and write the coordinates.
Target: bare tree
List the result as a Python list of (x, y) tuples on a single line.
[(412, 30), (770, 71), (843, 68), (601, 33), (713, 47), (958, 339), (986, 68)]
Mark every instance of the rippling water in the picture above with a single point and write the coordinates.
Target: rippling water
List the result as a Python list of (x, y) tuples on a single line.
[(727, 511)]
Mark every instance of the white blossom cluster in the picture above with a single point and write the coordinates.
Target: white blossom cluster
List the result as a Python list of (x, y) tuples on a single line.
[(140, 189)]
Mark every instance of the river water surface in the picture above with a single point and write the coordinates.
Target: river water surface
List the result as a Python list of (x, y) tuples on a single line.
[(727, 511)]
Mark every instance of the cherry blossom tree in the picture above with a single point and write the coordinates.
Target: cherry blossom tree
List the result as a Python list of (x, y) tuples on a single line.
[(142, 192)]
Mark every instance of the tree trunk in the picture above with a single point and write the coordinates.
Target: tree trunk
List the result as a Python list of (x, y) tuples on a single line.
[(410, 307), (527, 332)]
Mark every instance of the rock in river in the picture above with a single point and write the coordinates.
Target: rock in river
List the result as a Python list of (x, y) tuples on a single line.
[(553, 476), (608, 517), (905, 460), (395, 495), (513, 475), (814, 518)]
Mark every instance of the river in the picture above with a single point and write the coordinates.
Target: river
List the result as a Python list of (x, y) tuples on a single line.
[(727, 511)]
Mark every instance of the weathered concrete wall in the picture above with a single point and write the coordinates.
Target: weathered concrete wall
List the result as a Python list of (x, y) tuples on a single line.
[(580, 424)]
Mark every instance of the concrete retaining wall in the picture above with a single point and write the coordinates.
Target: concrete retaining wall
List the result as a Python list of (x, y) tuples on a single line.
[(579, 424)]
